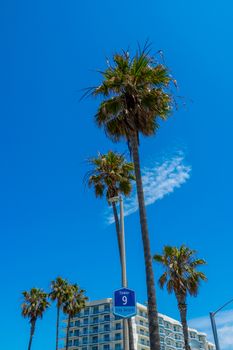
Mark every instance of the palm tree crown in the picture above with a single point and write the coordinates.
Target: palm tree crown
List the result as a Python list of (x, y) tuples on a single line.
[(136, 92), (111, 175), (58, 290), (75, 300), (181, 275), (35, 303)]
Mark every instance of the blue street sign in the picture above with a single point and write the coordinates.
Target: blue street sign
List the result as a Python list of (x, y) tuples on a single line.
[(124, 303)]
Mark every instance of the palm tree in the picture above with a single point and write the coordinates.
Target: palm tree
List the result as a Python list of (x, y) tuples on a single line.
[(75, 302), (112, 176), (135, 95), (58, 294), (34, 305), (181, 277)]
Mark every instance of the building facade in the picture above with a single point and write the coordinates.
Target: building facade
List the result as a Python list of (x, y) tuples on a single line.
[(96, 328)]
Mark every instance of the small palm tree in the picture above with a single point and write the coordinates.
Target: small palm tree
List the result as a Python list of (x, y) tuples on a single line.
[(181, 277), (34, 305), (135, 95), (112, 176), (75, 302), (58, 293)]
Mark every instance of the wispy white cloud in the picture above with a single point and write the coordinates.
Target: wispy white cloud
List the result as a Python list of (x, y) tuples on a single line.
[(224, 321), (159, 179)]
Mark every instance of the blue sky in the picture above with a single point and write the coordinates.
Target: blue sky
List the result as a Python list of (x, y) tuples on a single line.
[(50, 225)]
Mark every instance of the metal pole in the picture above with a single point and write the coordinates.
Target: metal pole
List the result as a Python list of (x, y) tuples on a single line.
[(124, 278), (214, 329)]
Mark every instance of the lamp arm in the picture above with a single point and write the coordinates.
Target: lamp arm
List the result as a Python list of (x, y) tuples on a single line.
[(222, 307)]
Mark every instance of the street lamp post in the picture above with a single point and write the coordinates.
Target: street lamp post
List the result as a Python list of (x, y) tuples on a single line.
[(213, 324), (124, 277), (123, 268)]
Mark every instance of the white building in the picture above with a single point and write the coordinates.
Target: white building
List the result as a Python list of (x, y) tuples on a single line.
[(96, 328)]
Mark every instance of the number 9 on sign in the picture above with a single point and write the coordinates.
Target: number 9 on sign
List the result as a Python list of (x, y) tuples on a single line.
[(124, 300)]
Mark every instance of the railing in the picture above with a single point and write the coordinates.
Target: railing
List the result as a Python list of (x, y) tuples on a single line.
[(91, 313)]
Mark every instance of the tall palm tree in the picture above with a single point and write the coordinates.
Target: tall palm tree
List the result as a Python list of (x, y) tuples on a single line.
[(34, 305), (135, 95), (58, 293), (181, 277), (112, 176), (75, 302)]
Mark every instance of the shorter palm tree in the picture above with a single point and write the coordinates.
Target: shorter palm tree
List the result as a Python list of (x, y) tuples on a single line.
[(182, 278), (34, 305), (58, 293), (111, 176), (75, 302)]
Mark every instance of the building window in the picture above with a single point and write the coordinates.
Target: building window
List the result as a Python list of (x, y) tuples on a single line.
[(106, 337), (94, 348), (160, 320), (95, 309), (84, 340), (106, 328), (76, 342), (117, 346), (95, 339), (95, 329), (118, 325), (106, 347), (106, 307), (76, 332), (167, 325), (118, 336), (85, 330), (85, 321), (86, 311), (95, 319), (106, 317), (77, 323)]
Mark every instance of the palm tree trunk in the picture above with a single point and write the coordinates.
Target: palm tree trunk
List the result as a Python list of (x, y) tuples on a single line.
[(32, 331), (57, 328), (67, 333), (183, 317), (117, 224), (152, 305)]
